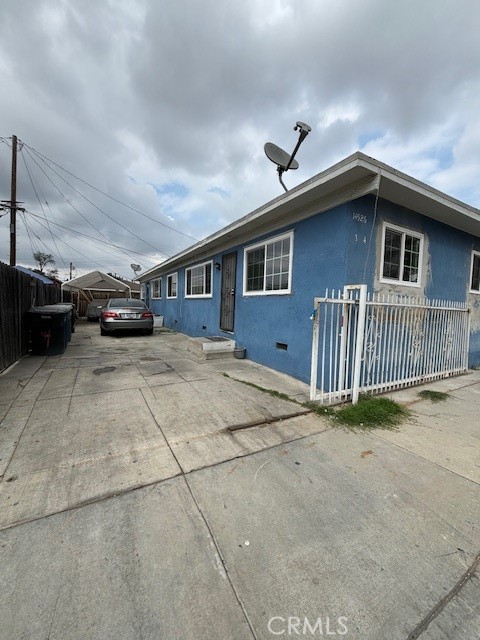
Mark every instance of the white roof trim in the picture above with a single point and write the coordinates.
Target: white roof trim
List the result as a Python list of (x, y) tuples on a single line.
[(351, 178)]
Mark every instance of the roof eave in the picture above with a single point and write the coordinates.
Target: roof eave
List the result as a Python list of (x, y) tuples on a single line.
[(351, 178)]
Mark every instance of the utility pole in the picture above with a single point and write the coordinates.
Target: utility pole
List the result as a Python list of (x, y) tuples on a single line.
[(71, 269), (12, 204)]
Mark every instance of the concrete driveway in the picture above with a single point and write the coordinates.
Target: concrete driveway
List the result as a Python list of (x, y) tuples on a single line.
[(130, 510)]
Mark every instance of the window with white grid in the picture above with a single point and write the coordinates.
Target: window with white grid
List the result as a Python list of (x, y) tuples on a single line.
[(268, 266), (198, 281), (401, 255), (156, 291)]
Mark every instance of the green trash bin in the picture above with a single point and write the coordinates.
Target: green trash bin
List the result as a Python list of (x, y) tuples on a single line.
[(50, 328)]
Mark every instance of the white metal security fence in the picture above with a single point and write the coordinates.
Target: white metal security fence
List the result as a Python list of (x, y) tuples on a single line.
[(375, 343)]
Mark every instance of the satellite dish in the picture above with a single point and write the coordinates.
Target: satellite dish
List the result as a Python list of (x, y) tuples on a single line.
[(278, 156), (136, 268), (281, 158)]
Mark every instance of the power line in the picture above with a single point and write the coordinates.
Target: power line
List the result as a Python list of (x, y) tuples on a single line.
[(102, 266), (102, 211), (75, 208), (38, 221), (75, 232), (41, 206), (124, 204), (22, 218), (32, 231)]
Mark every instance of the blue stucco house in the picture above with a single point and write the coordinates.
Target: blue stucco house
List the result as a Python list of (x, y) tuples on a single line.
[(358, 222)]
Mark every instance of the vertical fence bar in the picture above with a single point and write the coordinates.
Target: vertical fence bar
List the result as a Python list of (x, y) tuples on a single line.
[(359, 342), (343, 341), (338, 312), (401, 342), (352, 340), (410, 333), (331, 354), (389, 358), (430, 342), (384, 343), (467, 329), (314, 363), (324, 333)]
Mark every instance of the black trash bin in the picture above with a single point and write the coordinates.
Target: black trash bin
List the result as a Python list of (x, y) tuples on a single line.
[(50, 328), (72, 314)]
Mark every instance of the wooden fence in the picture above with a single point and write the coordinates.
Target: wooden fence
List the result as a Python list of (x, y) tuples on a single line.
[(19, 292)]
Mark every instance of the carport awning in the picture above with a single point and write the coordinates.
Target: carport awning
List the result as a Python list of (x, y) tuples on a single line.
[(96, 281)]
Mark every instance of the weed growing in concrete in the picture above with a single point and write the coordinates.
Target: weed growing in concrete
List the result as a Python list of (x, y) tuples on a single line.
[(433, 396), (319, 409), (371, 413), (368, 413), (271, 392)]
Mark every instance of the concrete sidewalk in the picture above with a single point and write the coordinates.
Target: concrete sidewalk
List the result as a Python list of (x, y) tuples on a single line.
[(130, 510)]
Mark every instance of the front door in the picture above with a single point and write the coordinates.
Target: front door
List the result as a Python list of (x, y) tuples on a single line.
[(227, 304)]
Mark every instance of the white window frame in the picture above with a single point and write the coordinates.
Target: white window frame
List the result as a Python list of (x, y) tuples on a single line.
[(265, 243), (409, 232), (152, 289), (143, 292), (170, 275), (200, 295), (475, 254)]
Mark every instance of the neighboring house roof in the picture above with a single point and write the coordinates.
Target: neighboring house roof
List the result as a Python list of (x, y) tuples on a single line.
[(34, 274), (134, 286), (353, 177), (96, 281)]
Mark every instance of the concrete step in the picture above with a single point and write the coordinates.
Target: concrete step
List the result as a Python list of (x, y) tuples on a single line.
[(211, 348)]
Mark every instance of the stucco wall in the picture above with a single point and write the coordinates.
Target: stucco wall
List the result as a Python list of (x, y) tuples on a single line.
[(341, 246), (446, 259), (319, 261)]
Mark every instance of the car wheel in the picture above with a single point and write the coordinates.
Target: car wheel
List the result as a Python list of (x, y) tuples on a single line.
[(149, 332), (103, 332)]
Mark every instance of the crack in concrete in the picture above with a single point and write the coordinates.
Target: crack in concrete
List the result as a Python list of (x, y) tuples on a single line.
[(71, 394), (26, 422), (440, 606), (208, 527), (137, 487)]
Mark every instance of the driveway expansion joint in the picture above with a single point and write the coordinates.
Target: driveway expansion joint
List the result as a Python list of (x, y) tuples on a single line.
[(267, 421), (440, 606)]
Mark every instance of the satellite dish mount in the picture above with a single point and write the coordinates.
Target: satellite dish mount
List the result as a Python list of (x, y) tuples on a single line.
[(281, 158)]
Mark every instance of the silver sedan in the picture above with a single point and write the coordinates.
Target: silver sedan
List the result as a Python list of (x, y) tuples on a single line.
[(126, 313)]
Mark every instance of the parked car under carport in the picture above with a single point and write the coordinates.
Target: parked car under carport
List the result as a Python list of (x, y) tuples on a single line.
[(94, 310)]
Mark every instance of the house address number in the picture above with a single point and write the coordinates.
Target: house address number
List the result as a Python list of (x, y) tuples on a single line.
[(359, 217)]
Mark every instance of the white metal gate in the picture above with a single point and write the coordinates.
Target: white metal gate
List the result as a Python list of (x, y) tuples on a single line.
[(375, 343)]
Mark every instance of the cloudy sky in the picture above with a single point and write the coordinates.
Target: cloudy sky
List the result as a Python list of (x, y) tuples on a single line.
[(143, 122)]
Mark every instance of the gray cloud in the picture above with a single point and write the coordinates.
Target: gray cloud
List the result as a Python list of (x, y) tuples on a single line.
[(166, 106)]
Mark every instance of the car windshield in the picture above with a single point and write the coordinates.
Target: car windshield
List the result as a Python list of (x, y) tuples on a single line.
[(126, 303)]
